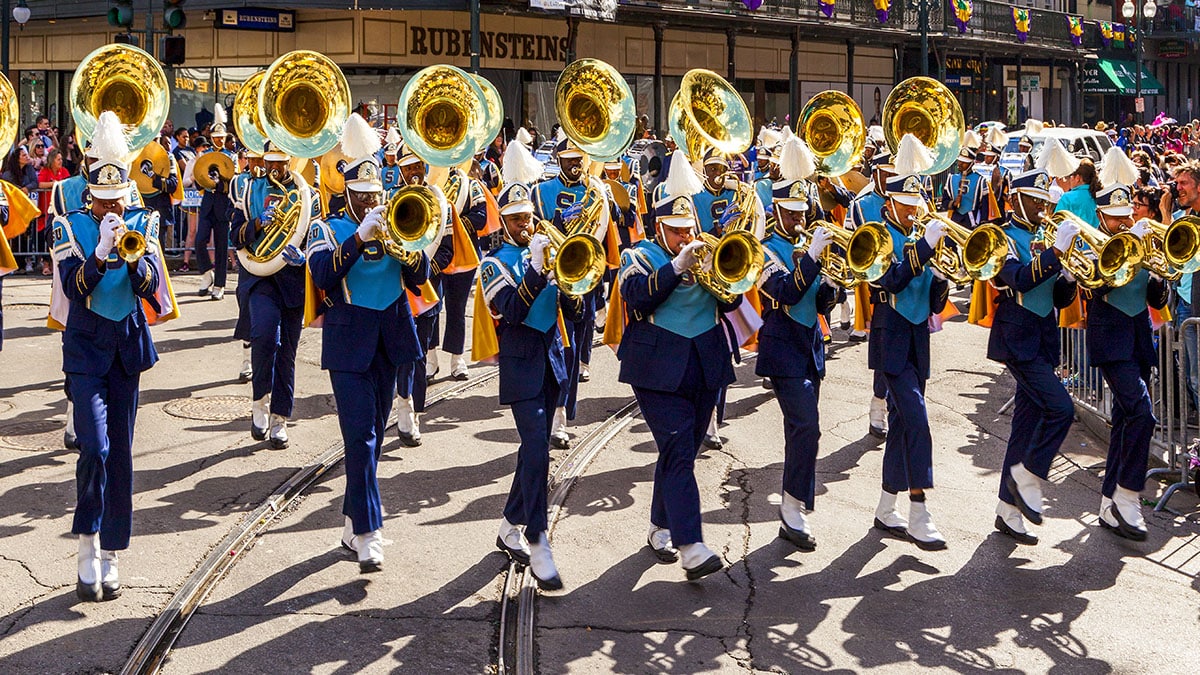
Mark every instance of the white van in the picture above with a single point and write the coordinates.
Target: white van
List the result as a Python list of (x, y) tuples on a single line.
[(1079, 142)]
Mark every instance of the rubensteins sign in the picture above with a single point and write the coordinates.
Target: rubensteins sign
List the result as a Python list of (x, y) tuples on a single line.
[(426, 41)]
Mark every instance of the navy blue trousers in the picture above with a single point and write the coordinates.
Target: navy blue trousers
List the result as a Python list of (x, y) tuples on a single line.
[(274, 337), (105, 410), (456, 288), (798, 398), (410, 377), (580, 351), (678, 421), (527, 498), (878, 384), (1132, 427), (220, 239), (364, 401), (1042, 415), (908, 451)]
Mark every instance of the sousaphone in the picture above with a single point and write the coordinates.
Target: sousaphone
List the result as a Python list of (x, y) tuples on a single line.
[(127, 81), (925, 108), (832, 125), (203, 168)]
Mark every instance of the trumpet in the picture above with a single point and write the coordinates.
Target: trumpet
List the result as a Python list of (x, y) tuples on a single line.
[(977, 255), (1095, 258), (862, 255), (131, 245), (1172, 250)]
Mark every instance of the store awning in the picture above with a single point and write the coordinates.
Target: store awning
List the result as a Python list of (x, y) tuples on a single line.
[(1114, 76)]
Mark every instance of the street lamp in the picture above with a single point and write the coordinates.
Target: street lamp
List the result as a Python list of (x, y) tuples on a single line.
[(20, 14), (922, 8), (1128, 10)]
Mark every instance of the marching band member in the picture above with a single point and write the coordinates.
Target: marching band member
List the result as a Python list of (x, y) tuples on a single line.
[(216, 212), (628, 216), (904, 298), (219, 134), (271, 307), (965, 192), (412, 378), (1024, 337), (489, 173), (1120, 342), (106, 347), (368, 331), (466, 196), (720, 190), (790, 349), (676, 356), (390, 171), (521, 294), (239, 190)]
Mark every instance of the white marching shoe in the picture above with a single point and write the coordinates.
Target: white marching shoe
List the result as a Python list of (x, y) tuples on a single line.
[(406, 423), (659, 541), (1026, 489), (279, 437), (698, 561), (458, 367), (888, 518), (87, 585), (110, 579), (712, 439), (247, 371), (794, 525), (921, 528), (218, 293), (559, 439), (511, 540), (878, 417), (369, 548), (585, 372), (1126, 509), (206, 282), (1010, 522), (260, 418), (541, 564), (348, 534), (431, 365)]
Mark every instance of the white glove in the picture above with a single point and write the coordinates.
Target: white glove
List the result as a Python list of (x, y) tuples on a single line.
[(1065, 235), (109, 226), (938, 273), (1066, 274), (1139, 229), (934, 231), (821, 238), (371, 224), (687, 257), (537, 252)]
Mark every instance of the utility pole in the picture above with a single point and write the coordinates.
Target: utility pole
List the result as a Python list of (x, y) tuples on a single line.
[(149, 44), (4, 34), (475, 46)]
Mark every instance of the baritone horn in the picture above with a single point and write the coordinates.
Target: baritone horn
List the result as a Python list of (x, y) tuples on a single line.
[(977, 255), (925, 108), (832, 125), (1095, 258), (1172, 250), (853, 257), (127, 81), (412, 221), (576, 254), (596, 108), (735, 260), (709, 113)]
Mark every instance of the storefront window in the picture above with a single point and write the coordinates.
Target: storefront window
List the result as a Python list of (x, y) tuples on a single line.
[(32, 96)]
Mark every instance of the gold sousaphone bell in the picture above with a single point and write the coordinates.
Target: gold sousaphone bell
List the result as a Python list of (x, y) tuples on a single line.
[(925, 108), (832, 125), (127, 81), (202, 169)]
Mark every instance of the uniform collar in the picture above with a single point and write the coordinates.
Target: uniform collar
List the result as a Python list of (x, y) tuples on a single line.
[(1021, 224)]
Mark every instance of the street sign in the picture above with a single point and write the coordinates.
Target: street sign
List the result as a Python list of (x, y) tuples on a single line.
[(1031, 83), (1139, 104), (248, 18)]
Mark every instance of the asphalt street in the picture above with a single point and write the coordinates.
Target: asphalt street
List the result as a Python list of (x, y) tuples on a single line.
[(1080, 601)]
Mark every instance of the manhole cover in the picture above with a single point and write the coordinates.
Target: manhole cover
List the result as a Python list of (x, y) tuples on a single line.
[(210, 408), (33, 435)]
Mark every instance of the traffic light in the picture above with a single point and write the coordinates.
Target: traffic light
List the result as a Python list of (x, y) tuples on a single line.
[(171, 50), (120, 13), (173, 16)]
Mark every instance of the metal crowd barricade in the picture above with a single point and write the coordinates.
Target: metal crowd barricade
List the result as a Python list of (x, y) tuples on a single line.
[(1176, 435)]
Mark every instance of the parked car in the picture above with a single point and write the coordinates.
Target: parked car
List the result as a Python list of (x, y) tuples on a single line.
[(545, 155), (1079, 142)]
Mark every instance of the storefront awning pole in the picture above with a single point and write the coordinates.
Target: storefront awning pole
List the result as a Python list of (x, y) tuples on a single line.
[(793, 77)]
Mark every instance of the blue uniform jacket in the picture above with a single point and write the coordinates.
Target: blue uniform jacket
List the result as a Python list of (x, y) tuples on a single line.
[(243, 233), (893, 337), (352, 334), (1113, 335), (653, 357), (786, 347), (1020, 334), (92, 342)]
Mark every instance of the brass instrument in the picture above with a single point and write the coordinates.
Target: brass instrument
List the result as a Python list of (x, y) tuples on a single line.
[(303, 102), (730, 265), (1172, 250), (709, 113), (925, 108), (596, 108), (246, 123), (833, 127), (576, 253), (204, 164), (287, 227), (619, 192), (332, 180), (442, 115), (131, 245), (863, 254), (160, 165), (494, 115), (977, 255), (1095, 258), (412, 221), (127, 81), (10, 115)]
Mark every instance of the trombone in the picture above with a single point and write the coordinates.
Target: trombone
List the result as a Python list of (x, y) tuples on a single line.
[(977, 254), (1172, 250), (1095, 258), (863, 254)]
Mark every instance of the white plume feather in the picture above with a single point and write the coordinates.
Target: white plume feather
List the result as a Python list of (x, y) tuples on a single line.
[(768, 137), (875, 133), (681, 178), (359, 140), (796, 161), (972, 139), (912, 157), (524, 137), (1034, 127), (1118, 168), (560, 136), (393, 136), (1056, 161), (219, 115), (108, 139), (520, 166), (996, 137)]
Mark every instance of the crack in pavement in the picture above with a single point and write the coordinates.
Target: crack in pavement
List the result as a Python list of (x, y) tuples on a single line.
[(631, 631), (27, 571), (744, 483)]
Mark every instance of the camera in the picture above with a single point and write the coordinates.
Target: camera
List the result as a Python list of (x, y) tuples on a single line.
[(1173, 188)]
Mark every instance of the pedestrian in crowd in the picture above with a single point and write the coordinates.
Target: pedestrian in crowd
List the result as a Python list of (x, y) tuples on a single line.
[(20, 172), (200, 145), (50, 174), (72, 155), (37, 156)]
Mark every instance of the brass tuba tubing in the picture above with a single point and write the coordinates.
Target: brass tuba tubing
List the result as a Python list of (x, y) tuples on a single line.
[(412, 221)]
